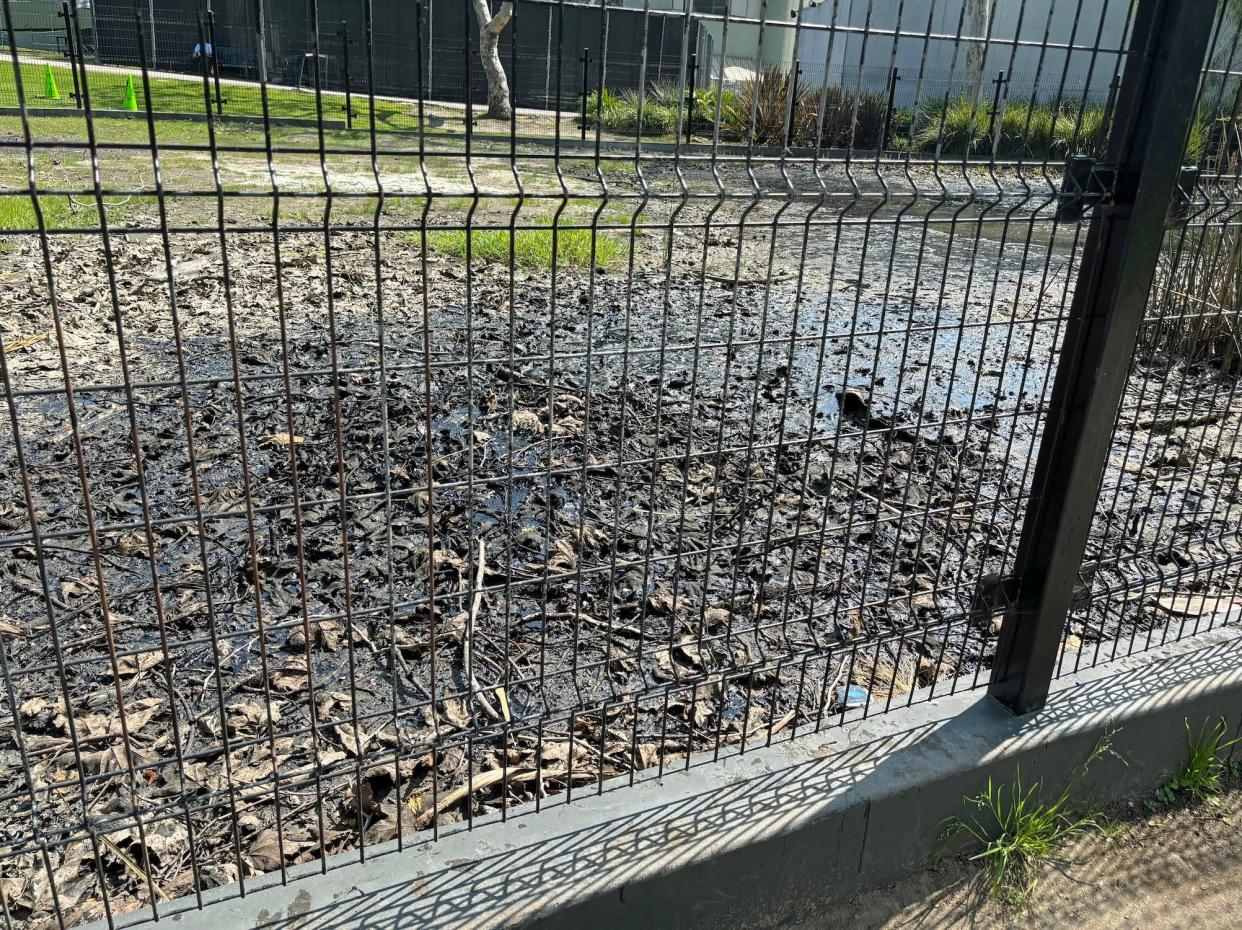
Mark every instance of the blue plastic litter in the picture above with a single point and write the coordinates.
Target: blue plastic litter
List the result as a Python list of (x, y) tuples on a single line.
[(853, 696)]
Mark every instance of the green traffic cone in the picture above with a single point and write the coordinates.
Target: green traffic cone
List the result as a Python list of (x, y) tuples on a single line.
[(131, 100), (50, 90)]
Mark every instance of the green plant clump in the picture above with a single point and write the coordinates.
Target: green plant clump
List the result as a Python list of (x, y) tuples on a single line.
[(1018, 828), (619, 113), (1202, 775)]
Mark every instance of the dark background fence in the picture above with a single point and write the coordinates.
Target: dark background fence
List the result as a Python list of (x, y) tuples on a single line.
[(549, 42), (360, 483)]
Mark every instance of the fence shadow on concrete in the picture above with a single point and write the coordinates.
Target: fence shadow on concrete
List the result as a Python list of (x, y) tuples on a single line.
[(775, 836)]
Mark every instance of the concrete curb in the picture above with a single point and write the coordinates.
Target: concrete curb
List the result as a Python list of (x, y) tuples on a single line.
[(775, 837)]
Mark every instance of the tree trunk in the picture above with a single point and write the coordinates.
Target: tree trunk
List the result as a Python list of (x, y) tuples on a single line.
[(490, 28), (977, 15)]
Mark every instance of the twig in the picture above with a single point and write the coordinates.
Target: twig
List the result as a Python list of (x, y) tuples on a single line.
[(742, 282), (133, 867), (475, 690), (450, 799), (581, 617), (26, 343), (775, 727)]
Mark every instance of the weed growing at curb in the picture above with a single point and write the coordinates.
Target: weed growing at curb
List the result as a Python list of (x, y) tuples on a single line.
[(1018, 829), (1201, 777)]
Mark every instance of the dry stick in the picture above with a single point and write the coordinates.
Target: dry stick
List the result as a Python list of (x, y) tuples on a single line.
[(26, 343), (134, 867), (775, 727), (475, 690), (485, 780)]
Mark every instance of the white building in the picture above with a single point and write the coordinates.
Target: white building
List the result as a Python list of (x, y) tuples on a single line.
[(958, 46)]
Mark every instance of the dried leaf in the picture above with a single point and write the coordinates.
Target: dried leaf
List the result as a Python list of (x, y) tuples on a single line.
[(282, 439), (456, 713), (265, 852), (140, 662), (526, 421), (248, 715), (292, 676), (660, 601)]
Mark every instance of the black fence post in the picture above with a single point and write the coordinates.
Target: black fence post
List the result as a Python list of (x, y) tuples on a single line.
[(893, 78), (214, 58), (993, 116), (691, 78), (73, 54), (586, 65), (418, 67), (349, 105), (791, 114), (1154, 112)]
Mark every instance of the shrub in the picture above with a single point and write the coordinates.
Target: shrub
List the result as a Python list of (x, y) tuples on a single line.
[(872, 109), (758, 113), (847, 120), (1073, 131), (1027, 129), (619, 113), (735, 118), (899, 127), (955, 129), (1038, 139)]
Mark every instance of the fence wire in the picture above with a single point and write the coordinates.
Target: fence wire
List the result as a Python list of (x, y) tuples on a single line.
[(368, 477)]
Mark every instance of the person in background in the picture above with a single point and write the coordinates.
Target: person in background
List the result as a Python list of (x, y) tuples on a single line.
[(211, 56)]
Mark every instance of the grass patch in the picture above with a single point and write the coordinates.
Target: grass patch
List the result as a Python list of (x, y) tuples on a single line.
[(1202, 775), (1018, 828), (531, 248), (185, 95), (17, 213)]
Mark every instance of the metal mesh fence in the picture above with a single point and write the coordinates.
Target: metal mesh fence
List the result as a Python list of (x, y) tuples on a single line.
[(362, 482), (1163, 563)]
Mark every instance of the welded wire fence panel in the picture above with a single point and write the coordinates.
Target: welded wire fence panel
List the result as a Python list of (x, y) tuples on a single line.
[(1165, 559), (365, 482)]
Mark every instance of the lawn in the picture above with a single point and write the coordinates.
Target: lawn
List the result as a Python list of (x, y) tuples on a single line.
[(185, 95)]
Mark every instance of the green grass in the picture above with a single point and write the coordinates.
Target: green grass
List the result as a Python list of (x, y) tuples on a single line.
[(1201, 777), (17, 213), (174, 95), (531, 248), (1018, 829)]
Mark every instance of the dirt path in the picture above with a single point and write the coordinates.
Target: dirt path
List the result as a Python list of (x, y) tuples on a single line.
[(1175, 869)]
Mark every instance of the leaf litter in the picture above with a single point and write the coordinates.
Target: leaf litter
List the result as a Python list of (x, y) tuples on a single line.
[(642, 483)]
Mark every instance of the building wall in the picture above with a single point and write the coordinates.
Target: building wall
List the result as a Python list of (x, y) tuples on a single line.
[(1009, 37)]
